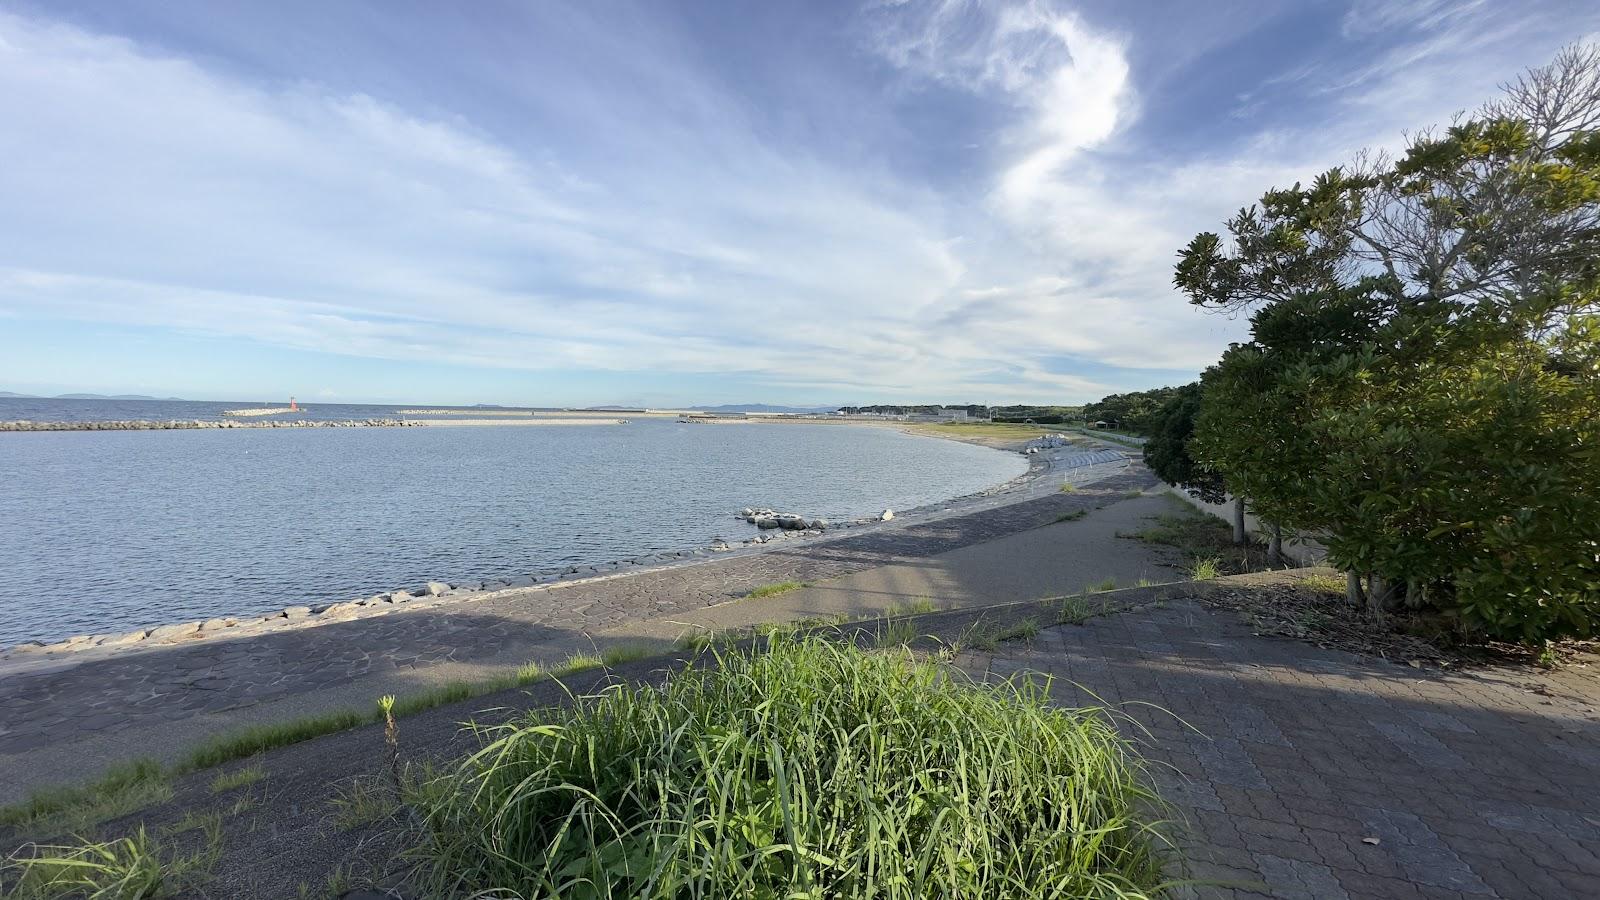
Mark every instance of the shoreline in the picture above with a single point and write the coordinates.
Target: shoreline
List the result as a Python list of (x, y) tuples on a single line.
[(166, 697), (38, 655), (29, 426)]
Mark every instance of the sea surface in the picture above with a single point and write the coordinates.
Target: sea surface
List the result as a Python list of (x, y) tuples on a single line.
[(107, 531)]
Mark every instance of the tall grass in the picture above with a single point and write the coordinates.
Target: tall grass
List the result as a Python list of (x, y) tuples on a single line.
[(135, 867), (808, 769), (124, 788)]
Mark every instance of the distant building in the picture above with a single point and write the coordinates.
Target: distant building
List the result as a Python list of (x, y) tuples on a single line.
[(944, 415)]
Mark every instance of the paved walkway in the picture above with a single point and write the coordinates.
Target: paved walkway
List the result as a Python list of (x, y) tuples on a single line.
[(1307, 773), (1052, 561), (162, 700)]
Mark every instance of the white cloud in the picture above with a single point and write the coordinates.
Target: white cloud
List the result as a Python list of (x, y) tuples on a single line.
[(144, 188)]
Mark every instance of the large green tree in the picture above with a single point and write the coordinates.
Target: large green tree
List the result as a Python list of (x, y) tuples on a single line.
[(1422, 387), (1135, 411)]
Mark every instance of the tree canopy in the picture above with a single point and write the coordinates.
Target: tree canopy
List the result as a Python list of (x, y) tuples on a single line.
[(1422, 382), (1134, 411), (1167, 451)]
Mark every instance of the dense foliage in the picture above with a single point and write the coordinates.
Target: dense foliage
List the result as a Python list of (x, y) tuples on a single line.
[(810, 769), (1168, 450), (1135, 411), (1422, 386)]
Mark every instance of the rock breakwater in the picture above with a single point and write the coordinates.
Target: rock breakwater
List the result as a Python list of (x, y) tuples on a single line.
[(165, 425)]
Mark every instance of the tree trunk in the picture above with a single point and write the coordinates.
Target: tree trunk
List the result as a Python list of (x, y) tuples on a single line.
[(1275, 546), (1352, 589), (1377, 596), (1239, 537)]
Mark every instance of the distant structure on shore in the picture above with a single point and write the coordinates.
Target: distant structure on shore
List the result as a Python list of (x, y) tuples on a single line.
[(920, 413)]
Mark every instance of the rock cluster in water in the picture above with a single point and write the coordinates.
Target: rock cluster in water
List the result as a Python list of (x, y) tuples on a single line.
[(154, 425), (766, 518)]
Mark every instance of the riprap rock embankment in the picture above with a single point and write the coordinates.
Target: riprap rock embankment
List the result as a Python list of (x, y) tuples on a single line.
[(155, 425)]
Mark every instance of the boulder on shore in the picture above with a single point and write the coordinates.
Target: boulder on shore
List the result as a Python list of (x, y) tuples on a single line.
[(887, 515), (171, 632), (436, 588)]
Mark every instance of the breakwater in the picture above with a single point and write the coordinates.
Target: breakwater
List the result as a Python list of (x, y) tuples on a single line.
[(157, 425), (259, 411)]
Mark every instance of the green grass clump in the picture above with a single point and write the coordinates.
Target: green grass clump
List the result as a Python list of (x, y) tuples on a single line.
[(918, 607), (1333, 585), (1026, 630), (1073, 516), (125, 788), (1104, 584), (364, 800), (623, 653), (811, 768), (980, 635), (1202, 537), (773, 590), (1078, 609), (238, 778), (577, 662), (1206, 569), (135, 867), (255, 739), (895, 633), (1068, 487)]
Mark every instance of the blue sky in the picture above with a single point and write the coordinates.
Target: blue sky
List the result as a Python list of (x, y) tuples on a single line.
[(664, 203)]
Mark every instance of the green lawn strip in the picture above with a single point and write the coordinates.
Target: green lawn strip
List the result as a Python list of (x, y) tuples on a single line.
[(129, 787)]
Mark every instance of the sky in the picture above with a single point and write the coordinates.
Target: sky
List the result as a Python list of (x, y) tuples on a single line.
[(668, 203)]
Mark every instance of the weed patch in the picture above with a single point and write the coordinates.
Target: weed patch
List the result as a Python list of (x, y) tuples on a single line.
[(1198, 538), (1026, 630), (135, 867), (238, 778), (774, 590), (751, 778), (124, 789), (1077, 609)]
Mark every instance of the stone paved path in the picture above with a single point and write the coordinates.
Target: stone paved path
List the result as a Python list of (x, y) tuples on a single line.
[(137, 694), (1324, 775)]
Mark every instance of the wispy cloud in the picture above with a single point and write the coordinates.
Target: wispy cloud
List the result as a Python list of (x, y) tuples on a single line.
[(667, 225)]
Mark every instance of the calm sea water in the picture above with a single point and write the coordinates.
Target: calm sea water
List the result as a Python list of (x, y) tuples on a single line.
[(108, 531)]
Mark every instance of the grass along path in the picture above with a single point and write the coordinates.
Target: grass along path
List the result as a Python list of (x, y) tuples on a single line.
[(810, 765), (311, 818), (142, 783)]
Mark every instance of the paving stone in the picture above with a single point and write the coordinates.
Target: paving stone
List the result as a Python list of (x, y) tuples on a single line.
[(1293, 879)]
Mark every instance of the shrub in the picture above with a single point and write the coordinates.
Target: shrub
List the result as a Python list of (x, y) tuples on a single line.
[(808, 769)]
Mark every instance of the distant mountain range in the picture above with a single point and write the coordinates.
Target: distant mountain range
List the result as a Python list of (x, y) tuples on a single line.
[(84, 397)]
